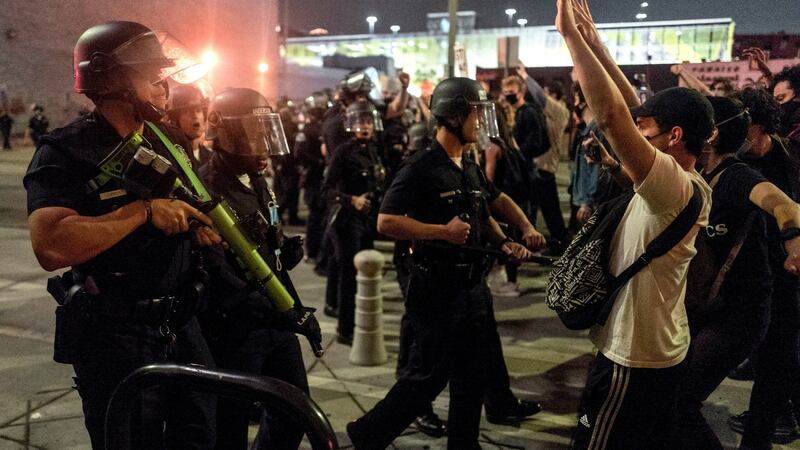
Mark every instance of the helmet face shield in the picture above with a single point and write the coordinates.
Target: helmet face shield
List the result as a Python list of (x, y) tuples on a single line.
[(257, 134), (486, 115), (359, 121), (160, 51)]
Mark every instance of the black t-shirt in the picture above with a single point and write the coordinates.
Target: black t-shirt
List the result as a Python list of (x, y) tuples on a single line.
[(354, 169), (333, 132), (431, 188), (148, 262), (778, 167), (750, 276)]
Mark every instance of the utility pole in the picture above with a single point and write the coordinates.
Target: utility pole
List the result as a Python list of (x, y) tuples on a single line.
[(451, 38)]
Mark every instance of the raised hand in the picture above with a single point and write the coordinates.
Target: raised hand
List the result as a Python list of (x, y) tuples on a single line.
[(585, 23)]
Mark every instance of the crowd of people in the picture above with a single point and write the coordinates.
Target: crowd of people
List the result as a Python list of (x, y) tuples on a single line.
[(457, 181)]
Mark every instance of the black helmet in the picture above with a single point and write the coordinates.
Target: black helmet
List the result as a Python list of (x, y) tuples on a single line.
[(361, 82), (185, 96), (242, 122), (105, 53), (418, 137), (359, 112), (458, 97)]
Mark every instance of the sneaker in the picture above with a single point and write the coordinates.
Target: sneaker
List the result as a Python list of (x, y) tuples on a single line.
[(514, 413), (786, 428), (431, 425), (330, 311), (507, 290), (743, 372), (497, 276)]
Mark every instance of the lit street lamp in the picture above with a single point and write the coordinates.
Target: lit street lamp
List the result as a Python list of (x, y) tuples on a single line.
[(510, 13), (371, 21), (644, 4), (641, 16), (395, 29), (522, 22)]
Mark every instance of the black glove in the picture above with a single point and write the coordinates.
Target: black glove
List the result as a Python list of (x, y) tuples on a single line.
[(301, 320), (292, 252)]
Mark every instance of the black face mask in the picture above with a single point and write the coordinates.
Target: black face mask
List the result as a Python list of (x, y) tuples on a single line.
[(511, 99), (788, 110)]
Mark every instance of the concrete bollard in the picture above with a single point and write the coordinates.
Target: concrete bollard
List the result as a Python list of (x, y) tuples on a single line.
[(368, 346)]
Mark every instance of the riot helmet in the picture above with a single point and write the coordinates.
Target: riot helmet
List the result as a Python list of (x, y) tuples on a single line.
[(361, 83), (241, 122), (186, 96), (105, 54), (418, 137), (455, 99), (109, 58), (361, 116)]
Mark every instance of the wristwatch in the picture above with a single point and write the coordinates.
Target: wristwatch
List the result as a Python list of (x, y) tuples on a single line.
[(789, 233)]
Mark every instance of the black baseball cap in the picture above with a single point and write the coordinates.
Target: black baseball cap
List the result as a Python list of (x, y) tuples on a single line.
[(679, 107)]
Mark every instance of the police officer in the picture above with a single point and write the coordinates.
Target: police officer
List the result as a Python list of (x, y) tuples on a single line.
[(448, 304), (245, 134), (187, 110), (352, 187), (134, 263), (308, 146)]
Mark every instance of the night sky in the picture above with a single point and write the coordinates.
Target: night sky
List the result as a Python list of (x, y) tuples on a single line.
[(348, 16)]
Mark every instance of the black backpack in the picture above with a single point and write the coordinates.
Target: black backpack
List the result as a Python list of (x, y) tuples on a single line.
[(580, 289)]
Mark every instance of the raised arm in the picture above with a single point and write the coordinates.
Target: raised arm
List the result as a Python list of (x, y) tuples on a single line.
[(776, 203), (605, 99), (588, 30), (691, 81)]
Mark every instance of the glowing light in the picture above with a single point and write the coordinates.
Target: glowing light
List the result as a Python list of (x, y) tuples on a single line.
[(263, 67), (511, 11), (395, 28), (641, 16), (522, 22), (644, 4), (210, 58)]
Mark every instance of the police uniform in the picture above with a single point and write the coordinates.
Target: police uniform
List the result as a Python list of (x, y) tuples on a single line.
[(448, 304), (235, 323), (355, 169), (308, 147), (133, 275)]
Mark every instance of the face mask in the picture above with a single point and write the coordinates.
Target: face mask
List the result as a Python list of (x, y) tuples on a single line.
[(511, 99), (788, 110)]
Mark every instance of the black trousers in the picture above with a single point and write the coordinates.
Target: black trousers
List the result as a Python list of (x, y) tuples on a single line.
[(626, 409), (165, 417), (351, 235), (315, 225), (271, 353), (777, 366), (498, 395), (450, 329), (545, 193), (5, 131), (718, 345)]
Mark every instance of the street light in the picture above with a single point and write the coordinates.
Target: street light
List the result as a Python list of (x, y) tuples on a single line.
[(644, 4), (510, 13), (371, 21), (263, 67), (641, 16), (522, 22), (395, 28)]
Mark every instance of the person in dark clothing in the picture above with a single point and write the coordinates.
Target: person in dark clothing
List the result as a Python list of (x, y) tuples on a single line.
[(448, 304), (777, 363), (287, 173), (236, 332), (135, 257), (726, 331), (38, 124), (530, 133), (352, 187), (188, 110), (6, 121), (308, 148)]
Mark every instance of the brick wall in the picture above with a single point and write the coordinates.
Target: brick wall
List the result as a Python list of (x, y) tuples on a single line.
[(37, 37)]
